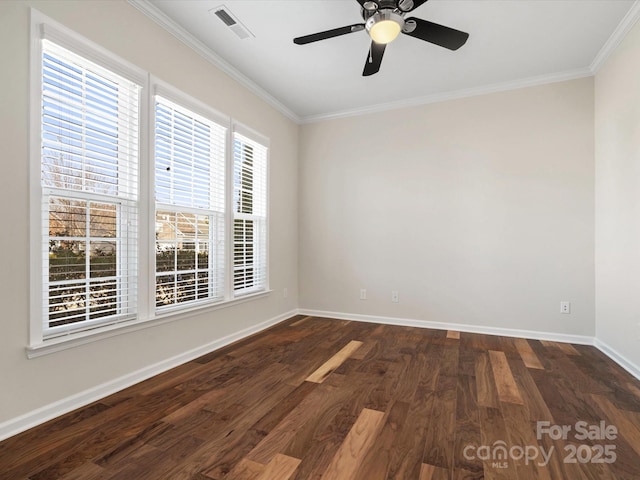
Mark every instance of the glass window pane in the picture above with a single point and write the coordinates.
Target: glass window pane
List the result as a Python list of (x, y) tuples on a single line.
[(67, 304), (102, 260), (166, 226), (67, 218), (186, 225), (185, 287), (203, 256), (165, 290), (102, 220), (165, 257), (186, 256), (103, 298), (67, 260), (203, 227)]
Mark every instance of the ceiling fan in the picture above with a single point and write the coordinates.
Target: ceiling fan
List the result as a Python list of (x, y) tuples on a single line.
[(384, 21)]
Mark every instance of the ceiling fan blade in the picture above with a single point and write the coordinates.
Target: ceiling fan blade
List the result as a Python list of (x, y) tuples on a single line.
[(374, 59), (336, 32), (437, 34)]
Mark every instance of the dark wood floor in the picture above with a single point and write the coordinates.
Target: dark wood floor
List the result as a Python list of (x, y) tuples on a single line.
[(326, 399)]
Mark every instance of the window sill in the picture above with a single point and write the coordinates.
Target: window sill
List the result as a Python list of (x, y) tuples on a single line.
[(82, 338)]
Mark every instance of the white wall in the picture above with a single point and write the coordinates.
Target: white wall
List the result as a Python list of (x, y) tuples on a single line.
[(25, 384), (617, 134), (478, 211)]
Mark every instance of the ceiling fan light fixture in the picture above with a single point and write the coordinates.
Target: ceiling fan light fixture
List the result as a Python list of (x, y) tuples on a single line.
[(384, 27)]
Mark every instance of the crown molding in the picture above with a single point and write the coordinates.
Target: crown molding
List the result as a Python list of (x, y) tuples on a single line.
[(621, 31), (155, 14), (442, 97), (623, 28)]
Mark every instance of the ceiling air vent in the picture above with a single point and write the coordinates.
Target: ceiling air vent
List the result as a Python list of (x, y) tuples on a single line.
[(230, 20)]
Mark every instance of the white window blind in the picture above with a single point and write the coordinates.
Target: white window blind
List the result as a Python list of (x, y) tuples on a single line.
[(249, 215), (89, 180), (190, 198)]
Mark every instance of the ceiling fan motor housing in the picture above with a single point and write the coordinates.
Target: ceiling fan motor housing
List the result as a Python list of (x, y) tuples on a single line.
[(398, 6)]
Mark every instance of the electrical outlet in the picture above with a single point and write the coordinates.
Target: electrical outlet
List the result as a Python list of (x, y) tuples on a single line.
[(565, 307), (363, 294), (395, 297), (286, 292)]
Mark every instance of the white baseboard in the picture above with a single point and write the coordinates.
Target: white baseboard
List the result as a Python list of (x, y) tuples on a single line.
[(621, 360), (53, 410), (408, 322)]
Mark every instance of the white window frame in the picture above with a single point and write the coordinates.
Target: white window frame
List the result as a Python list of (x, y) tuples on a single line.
[(180, 99), (44, 28), (263, 251), (147, 314)]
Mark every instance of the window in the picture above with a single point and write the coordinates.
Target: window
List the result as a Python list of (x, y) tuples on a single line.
[(89, 159), (249, 215), (189, 191), (143, 203)]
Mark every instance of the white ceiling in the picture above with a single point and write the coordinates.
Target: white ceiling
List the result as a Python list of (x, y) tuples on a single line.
[(512, 43)]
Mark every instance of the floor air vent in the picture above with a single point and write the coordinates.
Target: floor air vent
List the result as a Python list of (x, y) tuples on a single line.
[(230, 20)]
